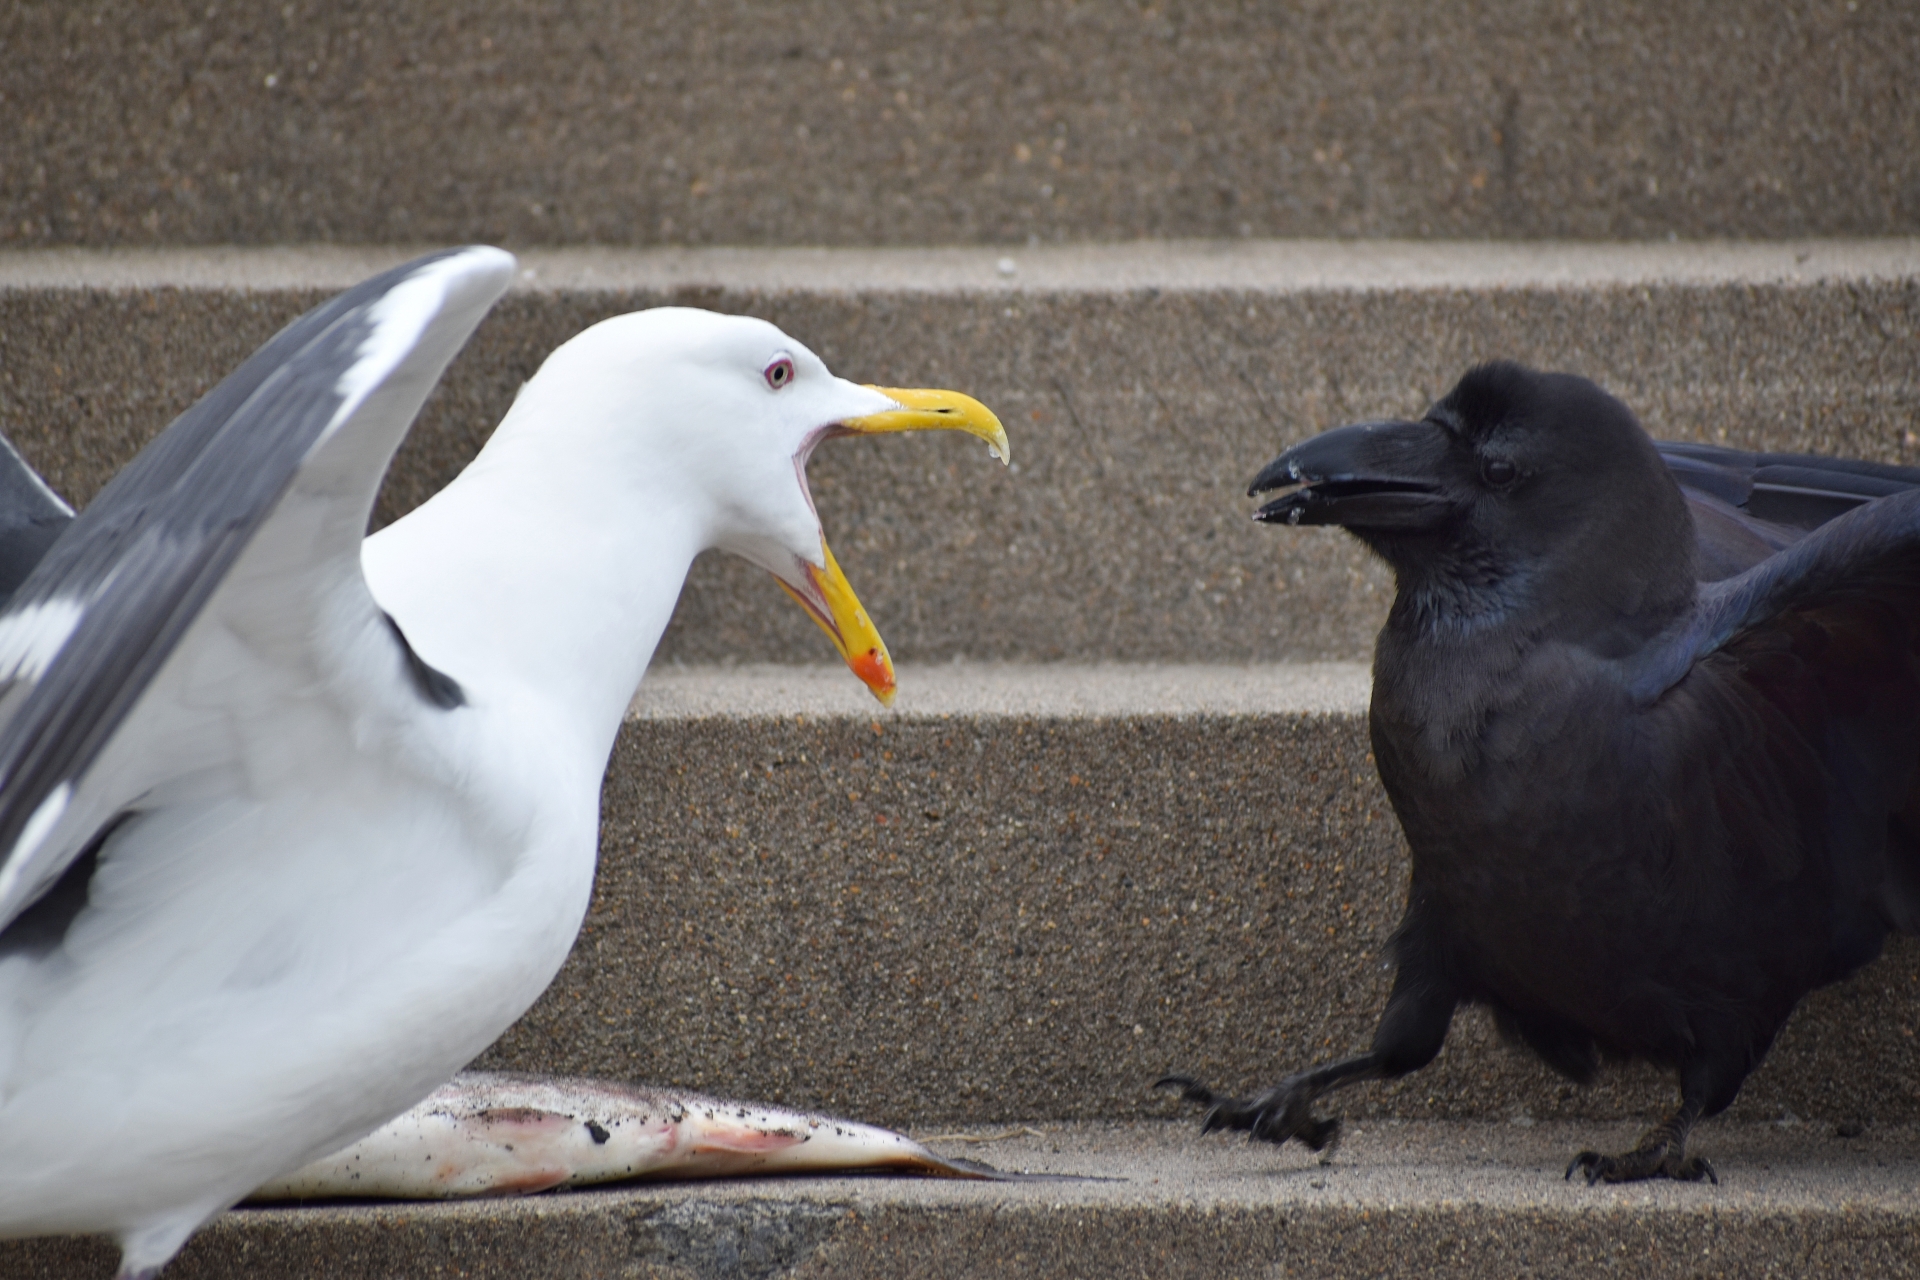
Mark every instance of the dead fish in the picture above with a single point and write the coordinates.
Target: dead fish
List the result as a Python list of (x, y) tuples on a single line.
[(494, 1134)]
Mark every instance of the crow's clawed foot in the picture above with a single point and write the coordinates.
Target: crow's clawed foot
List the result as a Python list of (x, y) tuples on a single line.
[(1661, 1160), (1281, 1113)]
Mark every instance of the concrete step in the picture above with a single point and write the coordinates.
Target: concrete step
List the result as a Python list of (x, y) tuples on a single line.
[(1142, 385), (176, 122), (1398, 1200), (1027, 893)]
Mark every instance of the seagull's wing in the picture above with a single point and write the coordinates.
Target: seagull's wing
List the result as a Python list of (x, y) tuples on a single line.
[(270, 479), (1747, 505), (32, 515)]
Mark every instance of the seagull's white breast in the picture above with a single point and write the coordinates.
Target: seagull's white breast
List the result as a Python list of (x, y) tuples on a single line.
[(338, 897)]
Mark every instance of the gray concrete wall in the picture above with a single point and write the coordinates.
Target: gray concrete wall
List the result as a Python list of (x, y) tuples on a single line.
[(1136, 414), (882, 122), (950, 918)]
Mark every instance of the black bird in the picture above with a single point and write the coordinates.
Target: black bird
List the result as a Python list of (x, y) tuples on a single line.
[(1656, 753)]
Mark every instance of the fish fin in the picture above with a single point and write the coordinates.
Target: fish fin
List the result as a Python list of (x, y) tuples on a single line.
[(717, 1135), (525, 1182)]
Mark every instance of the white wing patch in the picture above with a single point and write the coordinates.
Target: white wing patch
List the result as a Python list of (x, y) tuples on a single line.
[(399, 318), (37, 829), (32, 636)]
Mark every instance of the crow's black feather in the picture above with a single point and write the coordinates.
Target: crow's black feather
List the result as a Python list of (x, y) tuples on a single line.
[(1655, 745)]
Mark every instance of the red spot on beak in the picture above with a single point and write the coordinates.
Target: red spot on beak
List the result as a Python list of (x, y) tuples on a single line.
[(873, 670)]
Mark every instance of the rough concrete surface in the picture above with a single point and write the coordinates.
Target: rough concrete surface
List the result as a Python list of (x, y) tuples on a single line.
[(875, 122), (1136, 418), (1056, 691), (1032, 910), (1263, 265), (1398, 1200)]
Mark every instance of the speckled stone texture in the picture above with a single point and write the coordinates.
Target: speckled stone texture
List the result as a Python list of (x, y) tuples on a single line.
[(968, 919), (877, 122), (1017, 912), (1398, 1200), (1137, 416)]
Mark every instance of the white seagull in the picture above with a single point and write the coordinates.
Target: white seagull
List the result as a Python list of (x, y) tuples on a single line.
[(295, 820)]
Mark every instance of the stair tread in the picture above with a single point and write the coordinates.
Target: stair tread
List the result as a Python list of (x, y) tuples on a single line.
[(1380, 1163), (1258, 265), (1154, 1198), (1063, 691)]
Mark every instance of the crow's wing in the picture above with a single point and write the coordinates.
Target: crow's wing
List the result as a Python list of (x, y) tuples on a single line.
[(1789, 701), (1746, 506), (1799, 490), (1869, 555), (255, 501)]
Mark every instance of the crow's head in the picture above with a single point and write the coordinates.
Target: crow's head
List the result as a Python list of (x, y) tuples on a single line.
[(1520, 496)]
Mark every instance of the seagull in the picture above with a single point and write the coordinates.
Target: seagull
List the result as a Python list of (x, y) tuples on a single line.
[(295, 820), (32, 517)]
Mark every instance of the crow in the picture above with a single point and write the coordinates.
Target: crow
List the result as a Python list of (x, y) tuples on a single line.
[(1650, 718)]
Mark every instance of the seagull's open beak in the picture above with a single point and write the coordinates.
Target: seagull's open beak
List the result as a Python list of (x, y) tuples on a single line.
[(932, 411), (828, 598), (825, 593)]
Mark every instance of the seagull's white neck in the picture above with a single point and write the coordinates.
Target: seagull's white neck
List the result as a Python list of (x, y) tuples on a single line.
[(550, 567)]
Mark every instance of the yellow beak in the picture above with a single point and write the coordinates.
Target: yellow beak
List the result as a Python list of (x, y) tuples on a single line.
[(934, 411), (841, 616), (827, 596)]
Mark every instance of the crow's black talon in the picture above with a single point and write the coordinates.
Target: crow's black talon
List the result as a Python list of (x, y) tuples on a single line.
[(1321, 1134), (1280, 1115), (1264, 1129), (1191, 1090), (1696, 1169)]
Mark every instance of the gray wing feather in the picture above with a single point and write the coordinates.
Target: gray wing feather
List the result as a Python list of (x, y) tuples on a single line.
[(104, 608), (32, 515)]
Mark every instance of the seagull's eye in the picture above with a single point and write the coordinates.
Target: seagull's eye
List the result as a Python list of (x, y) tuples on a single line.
[(1498, 472), (779, 373)]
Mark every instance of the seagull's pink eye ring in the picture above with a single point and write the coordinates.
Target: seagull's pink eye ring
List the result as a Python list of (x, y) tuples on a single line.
[(779, 373)]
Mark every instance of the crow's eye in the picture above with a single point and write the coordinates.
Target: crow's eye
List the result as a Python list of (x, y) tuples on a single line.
[(1498, 472), (779, 373)]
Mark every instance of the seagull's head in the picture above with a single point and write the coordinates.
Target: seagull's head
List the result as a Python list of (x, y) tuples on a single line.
[(741, 406)]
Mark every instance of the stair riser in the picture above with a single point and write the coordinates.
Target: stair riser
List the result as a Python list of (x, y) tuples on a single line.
[(1136, 420), (638, 1237), (828, 123), (1097, 903)]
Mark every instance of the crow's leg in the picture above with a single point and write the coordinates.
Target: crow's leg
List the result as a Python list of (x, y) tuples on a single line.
[(1410, 1033), (1662, 1150)]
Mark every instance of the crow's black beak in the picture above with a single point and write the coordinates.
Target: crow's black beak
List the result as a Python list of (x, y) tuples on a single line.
[(1372, 475)]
